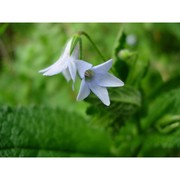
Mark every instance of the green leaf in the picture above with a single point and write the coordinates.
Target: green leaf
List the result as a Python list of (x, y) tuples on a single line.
[(127, 141), (120, 68), (164, 104), (43, 131), (120, 43), (168, 123), (162, 125), (138, 70), (125, 101), (166, 86), (158, 144)]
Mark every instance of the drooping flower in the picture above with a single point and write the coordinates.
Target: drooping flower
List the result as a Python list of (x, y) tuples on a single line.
[(65, 64), (96, 79)]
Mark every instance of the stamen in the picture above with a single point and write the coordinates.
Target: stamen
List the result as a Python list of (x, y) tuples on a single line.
[(88, 74)]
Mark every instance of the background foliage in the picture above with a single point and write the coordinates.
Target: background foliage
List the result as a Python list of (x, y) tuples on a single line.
[(39, 116)]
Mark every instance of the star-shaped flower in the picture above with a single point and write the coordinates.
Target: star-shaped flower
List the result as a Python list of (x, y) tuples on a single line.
[(96, 79), (65, 64)]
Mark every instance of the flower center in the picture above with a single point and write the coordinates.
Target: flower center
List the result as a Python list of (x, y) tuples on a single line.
[(89, 74)]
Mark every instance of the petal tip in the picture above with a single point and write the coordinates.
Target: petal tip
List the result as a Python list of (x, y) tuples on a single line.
[(41, 71), (107, 104), (122, 83)]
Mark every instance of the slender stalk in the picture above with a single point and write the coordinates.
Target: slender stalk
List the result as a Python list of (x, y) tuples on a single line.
[(94, 45), (80, 46)]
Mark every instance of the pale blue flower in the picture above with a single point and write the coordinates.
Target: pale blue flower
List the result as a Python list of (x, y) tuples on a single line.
[(65, 64), (96, 79)]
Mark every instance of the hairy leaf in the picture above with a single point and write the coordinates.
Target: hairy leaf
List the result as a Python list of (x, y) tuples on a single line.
[(125, 102), (162, 126), (43, 131)]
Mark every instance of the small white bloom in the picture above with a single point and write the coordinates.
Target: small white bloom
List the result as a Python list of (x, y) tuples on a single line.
[(65, 64), (96, 79)]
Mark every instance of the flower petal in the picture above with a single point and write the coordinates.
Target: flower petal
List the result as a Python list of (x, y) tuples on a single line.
[(100, 92), (55, 68), (61, 64), (103, 68), (108, 80), (67, 48), (44, 70), (72, 69), (66, 74), (56, 63), (82, 66), (75, 53), (83, 92)]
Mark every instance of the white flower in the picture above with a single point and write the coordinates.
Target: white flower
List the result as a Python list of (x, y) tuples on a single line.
[(65, 64), (96, 79)]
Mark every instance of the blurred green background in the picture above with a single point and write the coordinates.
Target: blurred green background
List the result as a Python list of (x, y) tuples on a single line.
[(26, 48)]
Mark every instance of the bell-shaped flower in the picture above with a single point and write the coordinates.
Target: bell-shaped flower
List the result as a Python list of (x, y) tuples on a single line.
[(96, 79), (65, 64)]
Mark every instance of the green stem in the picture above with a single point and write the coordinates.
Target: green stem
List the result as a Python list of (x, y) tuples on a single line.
[(80, 46), (94, 45)]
